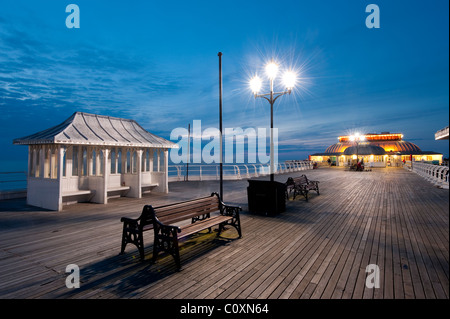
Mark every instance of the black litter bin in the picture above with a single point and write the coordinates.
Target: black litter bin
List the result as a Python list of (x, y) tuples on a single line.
[(266, 197)]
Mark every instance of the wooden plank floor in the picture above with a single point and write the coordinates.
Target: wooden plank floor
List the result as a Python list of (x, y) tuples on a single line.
[(317, 249)]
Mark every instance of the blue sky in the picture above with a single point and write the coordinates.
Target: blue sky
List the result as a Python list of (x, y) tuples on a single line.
[(156, 62)]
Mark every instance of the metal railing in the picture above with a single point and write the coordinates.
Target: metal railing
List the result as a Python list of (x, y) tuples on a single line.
[(436, 174), (196, 172), (203, 172)]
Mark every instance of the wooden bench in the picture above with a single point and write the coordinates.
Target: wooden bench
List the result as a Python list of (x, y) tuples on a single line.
[(77, 192), (146, 188), (117, 191), (162, 220), (301, 185), (73, 196)]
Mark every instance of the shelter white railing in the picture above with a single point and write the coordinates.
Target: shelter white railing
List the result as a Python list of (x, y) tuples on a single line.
[(203, 172), (436, 174)]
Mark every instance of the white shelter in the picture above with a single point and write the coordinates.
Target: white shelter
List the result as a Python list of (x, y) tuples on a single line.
[(93, 158)]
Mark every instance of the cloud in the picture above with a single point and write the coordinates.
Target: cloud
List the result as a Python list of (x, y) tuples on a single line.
[(86, 78)]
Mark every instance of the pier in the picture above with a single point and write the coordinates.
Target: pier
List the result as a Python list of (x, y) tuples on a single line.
[(318, 249)]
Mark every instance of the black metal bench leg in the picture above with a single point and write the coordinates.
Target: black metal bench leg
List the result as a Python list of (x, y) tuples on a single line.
[(220, 229), (124, 243), (238, 227), (140, 245), (155, 253), (176, 255)]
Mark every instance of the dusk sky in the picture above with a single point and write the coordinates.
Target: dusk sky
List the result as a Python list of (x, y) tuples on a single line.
[(156, 62)]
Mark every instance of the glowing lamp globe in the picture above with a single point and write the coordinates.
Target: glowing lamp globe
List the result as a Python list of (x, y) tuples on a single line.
[(272, 70), (255, 84), (289, 79)]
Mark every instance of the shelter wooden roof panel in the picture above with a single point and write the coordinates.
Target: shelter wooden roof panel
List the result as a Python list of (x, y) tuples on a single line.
[(85, 128)]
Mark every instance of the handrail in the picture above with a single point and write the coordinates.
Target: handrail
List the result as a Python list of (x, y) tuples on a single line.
[(8, 180), (232, 171), (436, 174)]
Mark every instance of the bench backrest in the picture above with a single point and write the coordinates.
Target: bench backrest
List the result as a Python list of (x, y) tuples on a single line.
[(177, 212), (301, 180)]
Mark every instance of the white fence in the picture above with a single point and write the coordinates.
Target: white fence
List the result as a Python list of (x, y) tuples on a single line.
[(436, 174), (203, 172)]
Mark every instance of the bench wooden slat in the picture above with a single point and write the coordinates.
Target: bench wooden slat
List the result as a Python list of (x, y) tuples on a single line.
[(77, 192), (169, 209), (118, 188), (200, 207), (172, 219), (202, 225)]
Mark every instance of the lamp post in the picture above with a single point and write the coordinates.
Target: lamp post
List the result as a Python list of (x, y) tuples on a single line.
[(289, 79), (357, 138)]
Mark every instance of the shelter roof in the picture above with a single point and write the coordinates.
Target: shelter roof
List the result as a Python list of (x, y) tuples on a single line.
[(92, 129)]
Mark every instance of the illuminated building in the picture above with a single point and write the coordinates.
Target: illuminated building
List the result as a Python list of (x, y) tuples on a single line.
[(375, 150)]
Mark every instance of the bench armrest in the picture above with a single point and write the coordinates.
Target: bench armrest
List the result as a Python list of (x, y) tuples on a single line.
[(227, 210), (130, 223), (128, 220), (165, 229), (230, 210)]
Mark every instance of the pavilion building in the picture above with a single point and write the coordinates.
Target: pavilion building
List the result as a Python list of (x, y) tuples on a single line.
[(93, 158), (375, 150)]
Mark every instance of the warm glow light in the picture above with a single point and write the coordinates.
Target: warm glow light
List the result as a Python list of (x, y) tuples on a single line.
[(289, 79), (255, 84), (272, 70), (357, 137)]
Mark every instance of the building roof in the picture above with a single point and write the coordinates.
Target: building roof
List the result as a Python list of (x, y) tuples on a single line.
[(365, 149), (327, 154), (92, 129), (404, 147)]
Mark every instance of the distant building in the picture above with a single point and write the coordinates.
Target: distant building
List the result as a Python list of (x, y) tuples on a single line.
[(441, 134), (93, 158), (376, 150)]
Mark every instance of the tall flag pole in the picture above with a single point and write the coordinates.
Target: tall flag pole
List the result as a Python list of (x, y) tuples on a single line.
[(220, 124), (188, 153)]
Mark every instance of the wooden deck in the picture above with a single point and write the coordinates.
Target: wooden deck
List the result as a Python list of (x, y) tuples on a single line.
[(317, 249)]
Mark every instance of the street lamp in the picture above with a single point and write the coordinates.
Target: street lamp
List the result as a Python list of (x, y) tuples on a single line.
[(289, 79), (357, 138)]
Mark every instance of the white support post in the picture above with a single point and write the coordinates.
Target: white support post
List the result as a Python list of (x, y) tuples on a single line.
[(60, 165), (106, 171), (139, 173), (166, 171)]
